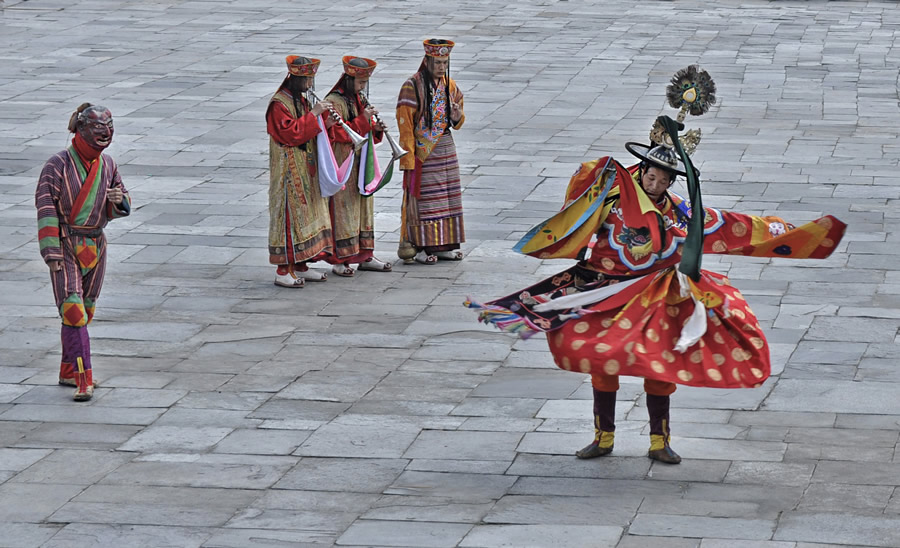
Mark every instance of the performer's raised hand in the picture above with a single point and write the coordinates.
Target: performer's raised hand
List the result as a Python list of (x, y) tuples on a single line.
[(321, 107), (115, 195), (455, 112)]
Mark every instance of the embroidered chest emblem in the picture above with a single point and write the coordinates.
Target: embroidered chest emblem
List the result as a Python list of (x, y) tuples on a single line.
[(637, 240)]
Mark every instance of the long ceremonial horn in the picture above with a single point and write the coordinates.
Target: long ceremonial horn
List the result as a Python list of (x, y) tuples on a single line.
[(396, 150), (356, 138)]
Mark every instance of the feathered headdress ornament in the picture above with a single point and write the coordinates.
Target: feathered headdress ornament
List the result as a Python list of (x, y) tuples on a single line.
[(692, 91)]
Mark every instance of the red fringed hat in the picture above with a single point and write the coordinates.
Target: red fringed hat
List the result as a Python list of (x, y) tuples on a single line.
[(307, 69), (358, 72), (438, 48)]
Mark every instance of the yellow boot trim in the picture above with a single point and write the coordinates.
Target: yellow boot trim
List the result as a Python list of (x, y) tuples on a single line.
[(605, 439)]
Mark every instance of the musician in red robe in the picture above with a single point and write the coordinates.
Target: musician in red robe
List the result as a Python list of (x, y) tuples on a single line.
[(299, 224)]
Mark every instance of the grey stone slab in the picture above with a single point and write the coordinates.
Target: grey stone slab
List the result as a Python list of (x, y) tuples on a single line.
[(17, 460), (783, 418), (404, 533), (262, 442), (498, 407), (677, 506), (485, 446), (27, 535), (526, 510), (363, 475), (208, 471), (770, 473), (371, 440), (701, 526), (318, 526), (529, 383), (126, 397), (454, 486), (151, 505), (838, 497), (843, 397), (541, 535), (410, 508), (33, 502), (634, 541), (731, 543), (738, 399), (806, 452), (130, 536), (294, 409), (179, 416), (75, 467), (611, 467), (89, 415), (241, 538), (839, 528), (74, 436), (870, 474), (770, 498), (12, 392), (708, 471), (175, 438), (462, 466)]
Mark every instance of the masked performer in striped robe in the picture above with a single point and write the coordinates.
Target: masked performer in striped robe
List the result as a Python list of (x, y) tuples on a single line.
[(352, 214), (78, 193), (430, 104), (637, 302), (299, 224)]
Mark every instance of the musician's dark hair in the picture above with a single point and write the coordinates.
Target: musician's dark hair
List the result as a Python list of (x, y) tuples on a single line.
[(429, 86), (293, 83), (345, 87)]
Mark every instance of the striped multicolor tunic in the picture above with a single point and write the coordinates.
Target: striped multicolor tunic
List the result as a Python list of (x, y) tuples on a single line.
[(72, 210), (432, 194)]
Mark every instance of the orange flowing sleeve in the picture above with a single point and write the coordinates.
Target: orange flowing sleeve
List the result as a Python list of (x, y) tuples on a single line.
[(750, 235)]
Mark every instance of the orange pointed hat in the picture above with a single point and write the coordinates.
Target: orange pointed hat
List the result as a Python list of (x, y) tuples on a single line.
[(435, 47), (305, 69), (355, 71)]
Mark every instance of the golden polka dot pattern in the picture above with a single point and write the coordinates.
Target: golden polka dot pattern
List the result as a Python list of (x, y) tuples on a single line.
[(611, 367), (585, 365)]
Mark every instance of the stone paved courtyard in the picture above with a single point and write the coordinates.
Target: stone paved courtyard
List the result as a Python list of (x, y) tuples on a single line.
[(375, 411)]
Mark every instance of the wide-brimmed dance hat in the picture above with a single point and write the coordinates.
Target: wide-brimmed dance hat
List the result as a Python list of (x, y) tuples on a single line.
[(660, 156)]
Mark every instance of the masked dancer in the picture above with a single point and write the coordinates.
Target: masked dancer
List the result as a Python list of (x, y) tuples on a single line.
[(78, 193), (637, 303)]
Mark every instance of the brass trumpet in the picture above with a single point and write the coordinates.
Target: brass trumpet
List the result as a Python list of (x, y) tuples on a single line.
[(356, 138), (396, 150)]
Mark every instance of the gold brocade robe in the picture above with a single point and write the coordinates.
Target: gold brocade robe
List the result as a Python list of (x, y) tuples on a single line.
[(299, 223)]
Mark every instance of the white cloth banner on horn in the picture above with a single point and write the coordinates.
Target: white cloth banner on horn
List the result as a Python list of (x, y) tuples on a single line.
[(695, 327), (332, 177)]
